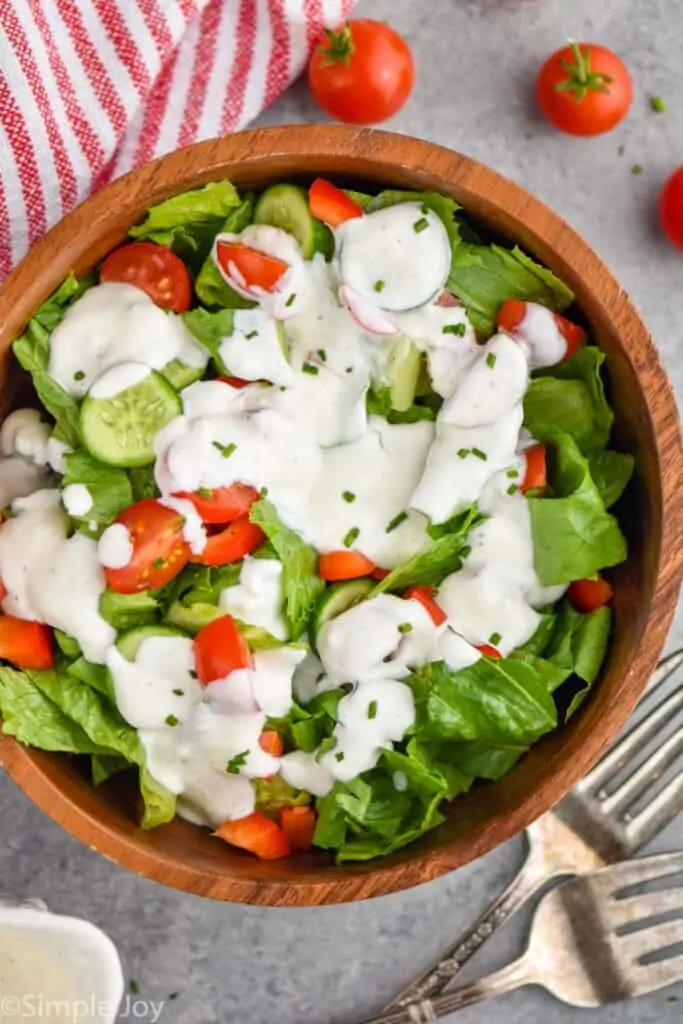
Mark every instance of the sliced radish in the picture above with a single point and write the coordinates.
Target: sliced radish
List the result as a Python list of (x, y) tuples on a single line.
[(368, 316)]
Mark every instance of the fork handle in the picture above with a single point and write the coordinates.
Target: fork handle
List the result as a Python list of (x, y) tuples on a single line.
[(531, 877), (423, 1011)]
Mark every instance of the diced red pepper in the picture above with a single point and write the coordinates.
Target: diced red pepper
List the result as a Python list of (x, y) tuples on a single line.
[(257, 834)]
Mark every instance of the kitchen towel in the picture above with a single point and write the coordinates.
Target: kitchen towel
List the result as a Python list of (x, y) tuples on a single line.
[(91, 88)]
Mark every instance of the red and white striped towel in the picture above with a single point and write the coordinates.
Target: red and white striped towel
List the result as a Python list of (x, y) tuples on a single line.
[(90, 88)]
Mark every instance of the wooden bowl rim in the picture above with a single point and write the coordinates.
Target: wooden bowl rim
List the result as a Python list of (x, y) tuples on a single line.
[(310, 145)]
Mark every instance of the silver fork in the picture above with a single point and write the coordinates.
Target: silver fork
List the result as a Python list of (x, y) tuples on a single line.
[(592, 942), (589, 828)]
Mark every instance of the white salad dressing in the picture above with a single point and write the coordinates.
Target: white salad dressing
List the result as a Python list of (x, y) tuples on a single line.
[(19, 477), (193, 527), (540, 336), (115, 547), (118, 378), (24, 433), (257, 598), (117, 323), (77, 499), (51, 578), (265, 360)]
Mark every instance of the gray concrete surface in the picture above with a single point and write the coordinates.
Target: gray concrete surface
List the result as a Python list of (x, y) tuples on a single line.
[(476, 61)]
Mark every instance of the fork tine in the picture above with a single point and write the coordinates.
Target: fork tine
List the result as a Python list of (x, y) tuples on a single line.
[(610, 881), (647, 774), (650, 940), (666, 667), (659, 974), (625, 748), (647, 904), (662, 809)]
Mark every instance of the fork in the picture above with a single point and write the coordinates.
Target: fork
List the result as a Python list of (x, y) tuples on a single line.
[(592, 942), (589, 828)]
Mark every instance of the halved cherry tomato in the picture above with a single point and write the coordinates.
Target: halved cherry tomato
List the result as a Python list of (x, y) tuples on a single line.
[(671, 208), (425, 595), (535, 473), (584, 89), (159, 548), (447, 300), (271, 742), (251, 268), (361, 74), (343, 565), (257, 834), (589, 595), (239, 538), (3, 591), (513, 311), (488, 651), (154, 269), (26, 644), (219, 649), (222, 504), (298, 824), (329, 204), (235, 382), (379, 574)]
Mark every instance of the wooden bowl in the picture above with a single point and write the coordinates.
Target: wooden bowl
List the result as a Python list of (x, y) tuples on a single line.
[(186, 857)]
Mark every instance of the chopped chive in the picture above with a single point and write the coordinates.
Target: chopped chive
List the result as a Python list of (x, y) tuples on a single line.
[(349, 369), (463, 453), (495, 639), (264, 492), (226, 450), (322, 354), (158, 563), (282, 387), (491, 360), (134, 987), (348, 496), (512, 489), (396, 521), (657, 104), (420, 225), (205, 492), (309, 368), (235, 763), (621, 150), (171, 720), (379, 286), (339, 756), (351, 536), (291, 299), (252, 334), (480, 454), (405, 627), (178, 692), (372, 709), (458, 329), (637, 169), (79, 375), (466, 551), (172, 995), (193, 674), (512, 474)]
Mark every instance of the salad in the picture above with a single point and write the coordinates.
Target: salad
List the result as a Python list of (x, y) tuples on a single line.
[(307, 526)]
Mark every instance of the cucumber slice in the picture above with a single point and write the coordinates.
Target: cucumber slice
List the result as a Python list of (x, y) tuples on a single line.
[(129, 643), (180, 375), (192, 617), (402, 372), (286, 206), (338, 598), (120, 431)]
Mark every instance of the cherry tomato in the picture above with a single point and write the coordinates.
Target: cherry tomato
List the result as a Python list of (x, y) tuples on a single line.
[(379, 574), (329, 204), (298, 824), (271, 742), (256, 833), (159, 548), (362, 74), (589, 595), (671, 208), (425, 595), (219, 649), (3, 591), (488, 651), (154, 269), (584, 89), (343, 565), (222, 504), (26, 644), (535, 474), (511, 316), (235, 382), (239, 538), (249, 267)]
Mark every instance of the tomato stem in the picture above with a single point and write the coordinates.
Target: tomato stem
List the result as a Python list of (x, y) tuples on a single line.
[(340, 45), (581, 78)]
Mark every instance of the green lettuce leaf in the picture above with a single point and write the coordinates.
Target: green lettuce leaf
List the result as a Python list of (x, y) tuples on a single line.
[(492, 702), (301, 585), (485, 760), (103, 766), (67, 645), (274, 794), (438, 560), (446, 209), (611, 472), (109, 489), (378, 402), (570, 397), (580, 641), (539, 642), (128, 611), (32, 351), (159, 804), (210, 329), (483, 276), (95, 676), (210, 287), (573, 534)]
